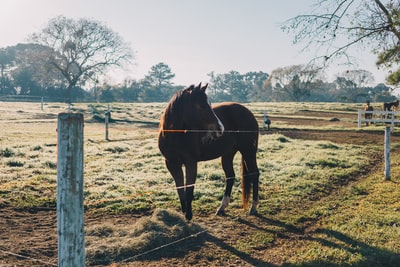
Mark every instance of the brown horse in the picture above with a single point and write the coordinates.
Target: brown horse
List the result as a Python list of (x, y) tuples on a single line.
[(192, 131)]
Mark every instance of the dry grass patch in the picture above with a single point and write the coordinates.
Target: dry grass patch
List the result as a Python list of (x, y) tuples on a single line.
[(106, 243)]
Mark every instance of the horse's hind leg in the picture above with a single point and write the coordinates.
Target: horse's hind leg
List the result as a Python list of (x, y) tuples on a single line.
[(252, 175), (254, 204), (227, 165)]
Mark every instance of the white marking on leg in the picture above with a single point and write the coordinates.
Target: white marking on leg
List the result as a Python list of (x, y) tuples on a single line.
[(224, 204)]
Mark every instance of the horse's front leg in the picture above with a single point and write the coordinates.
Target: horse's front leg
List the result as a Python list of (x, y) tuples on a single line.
[(227, 165), (191, 174), (175, 168)]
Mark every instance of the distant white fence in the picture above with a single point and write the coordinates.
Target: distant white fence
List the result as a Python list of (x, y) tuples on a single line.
[(383, 117), (391, 117)]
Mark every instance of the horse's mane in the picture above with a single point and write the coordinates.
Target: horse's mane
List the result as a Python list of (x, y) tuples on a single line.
[(169, 119)]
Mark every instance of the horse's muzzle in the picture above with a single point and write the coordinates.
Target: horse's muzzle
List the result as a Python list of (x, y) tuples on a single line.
[(213, 133)]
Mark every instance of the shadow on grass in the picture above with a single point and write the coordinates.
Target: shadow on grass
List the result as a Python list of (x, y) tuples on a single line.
[(369, 255), (191, 249), (183, 249)]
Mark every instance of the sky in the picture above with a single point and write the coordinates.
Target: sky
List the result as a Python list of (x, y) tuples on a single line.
[(193, 37)]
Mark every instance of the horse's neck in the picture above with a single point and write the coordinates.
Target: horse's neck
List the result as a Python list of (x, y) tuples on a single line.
[(173, 121)]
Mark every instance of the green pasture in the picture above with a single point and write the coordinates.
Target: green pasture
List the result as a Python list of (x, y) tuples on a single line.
[(301, 180)]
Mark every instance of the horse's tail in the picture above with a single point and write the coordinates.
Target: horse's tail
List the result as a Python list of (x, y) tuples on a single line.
[(246, 185)]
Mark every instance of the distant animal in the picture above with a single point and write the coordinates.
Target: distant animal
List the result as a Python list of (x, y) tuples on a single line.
[(191, 130), (368, 115), (267, 122), (392, 106)]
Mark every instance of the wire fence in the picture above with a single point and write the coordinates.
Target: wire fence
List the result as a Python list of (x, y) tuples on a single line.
[(27, 258), (135, 257), (205, 183), (29, 98)]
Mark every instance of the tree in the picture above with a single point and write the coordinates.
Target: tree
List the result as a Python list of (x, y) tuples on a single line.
[(256, 91), (353, 84), (6, 59), (381, 93), (30, 72), (23, 80), (337, 25), (292, 83), (158, 83), (228, 87), (81, 48), (234, 86)]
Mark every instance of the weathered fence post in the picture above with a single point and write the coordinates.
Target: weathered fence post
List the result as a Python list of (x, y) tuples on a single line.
[(107, 120), (71, 247), (387, 153)]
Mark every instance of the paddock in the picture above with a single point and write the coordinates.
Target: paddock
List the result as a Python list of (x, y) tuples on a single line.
[(311, 169)]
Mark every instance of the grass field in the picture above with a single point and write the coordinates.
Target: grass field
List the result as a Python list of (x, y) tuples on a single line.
[(323, 201)]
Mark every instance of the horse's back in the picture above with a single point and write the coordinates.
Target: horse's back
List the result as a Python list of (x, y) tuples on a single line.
[(236, 117), (240, 123)]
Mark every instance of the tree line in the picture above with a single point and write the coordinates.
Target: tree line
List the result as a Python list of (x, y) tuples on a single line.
[(24, 73), (67, 59)]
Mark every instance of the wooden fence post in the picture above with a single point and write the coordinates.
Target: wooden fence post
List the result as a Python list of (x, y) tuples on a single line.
[(70, 224), (387, 153), (107, 121)]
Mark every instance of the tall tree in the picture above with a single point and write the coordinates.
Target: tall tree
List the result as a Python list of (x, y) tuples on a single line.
[(337, 25), (158, 83), (229, 86), (81, 48), (293, 83), (256, 91), (353, 84), (6, 59), (31, 71)]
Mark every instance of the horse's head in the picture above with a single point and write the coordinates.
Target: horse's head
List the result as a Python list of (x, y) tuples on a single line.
[(198, 113)]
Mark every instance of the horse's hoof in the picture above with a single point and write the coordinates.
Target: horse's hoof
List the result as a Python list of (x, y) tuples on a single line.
[(253, 212), (220, 213), (188, 216)]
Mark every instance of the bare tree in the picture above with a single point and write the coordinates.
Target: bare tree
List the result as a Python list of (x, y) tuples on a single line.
[(337, 25), (82, 48)]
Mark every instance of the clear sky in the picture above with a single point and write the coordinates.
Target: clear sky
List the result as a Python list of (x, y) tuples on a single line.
[(194, 37)]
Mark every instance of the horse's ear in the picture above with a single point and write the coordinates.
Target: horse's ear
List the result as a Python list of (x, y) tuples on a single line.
[(204, 87), (190, 88)]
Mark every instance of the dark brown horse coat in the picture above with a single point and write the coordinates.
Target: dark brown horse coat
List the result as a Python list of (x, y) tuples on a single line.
[(390, 106), (190, 131)]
